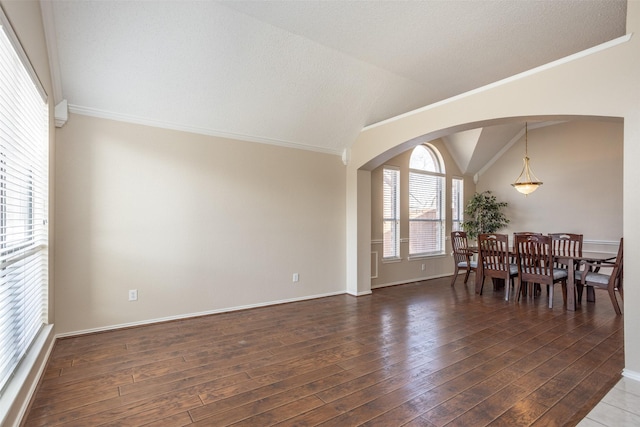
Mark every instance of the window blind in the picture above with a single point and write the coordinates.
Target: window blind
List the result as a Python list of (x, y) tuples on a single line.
[(457, 204), (426, 213), (24, 128), (391, 213)]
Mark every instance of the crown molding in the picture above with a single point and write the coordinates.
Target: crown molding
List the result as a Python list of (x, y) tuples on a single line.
[(109, 115)]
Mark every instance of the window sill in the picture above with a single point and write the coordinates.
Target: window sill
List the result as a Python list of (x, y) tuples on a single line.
[(16, 397), (426, 256), (391, 260)]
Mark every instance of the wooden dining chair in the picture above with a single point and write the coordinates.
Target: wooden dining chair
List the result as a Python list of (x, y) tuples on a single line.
[(611, 282), (493, 254), (566, 244), (535, 264), (462, 256), (524, 233), (536, 286), (569, 245)]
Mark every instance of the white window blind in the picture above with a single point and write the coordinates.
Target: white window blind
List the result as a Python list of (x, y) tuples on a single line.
[(24, 128), (457, 204), (426, 202), (391, 213)]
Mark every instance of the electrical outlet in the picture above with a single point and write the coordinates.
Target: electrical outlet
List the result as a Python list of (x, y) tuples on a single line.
[(133, 295), (423, 267), (296, 277)]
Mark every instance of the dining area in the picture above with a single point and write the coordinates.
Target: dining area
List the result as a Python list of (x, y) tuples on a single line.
[(529, 265)]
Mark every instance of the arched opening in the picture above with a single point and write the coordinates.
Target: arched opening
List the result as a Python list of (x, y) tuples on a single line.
[(577, 159), (600, 84)]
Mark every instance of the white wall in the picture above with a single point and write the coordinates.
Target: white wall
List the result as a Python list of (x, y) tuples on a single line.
[(196, 224)]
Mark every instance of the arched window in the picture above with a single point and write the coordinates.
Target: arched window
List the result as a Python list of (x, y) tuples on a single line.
[(426, 201)]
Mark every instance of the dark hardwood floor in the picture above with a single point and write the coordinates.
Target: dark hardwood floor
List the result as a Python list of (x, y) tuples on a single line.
[(421, 354)]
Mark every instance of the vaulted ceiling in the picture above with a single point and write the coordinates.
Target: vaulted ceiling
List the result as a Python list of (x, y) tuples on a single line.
[(307, 74)]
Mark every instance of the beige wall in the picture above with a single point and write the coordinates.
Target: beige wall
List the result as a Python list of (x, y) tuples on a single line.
[(196, 224), (405, 270), (139, 208), (580, 164)]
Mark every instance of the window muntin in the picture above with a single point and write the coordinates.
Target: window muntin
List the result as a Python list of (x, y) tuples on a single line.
[(426, 202), (391, 212)]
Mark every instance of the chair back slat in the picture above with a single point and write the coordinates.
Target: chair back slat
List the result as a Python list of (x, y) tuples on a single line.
[(460, 246), (535, 258), (494, 253), (462, 256), (566, 244)]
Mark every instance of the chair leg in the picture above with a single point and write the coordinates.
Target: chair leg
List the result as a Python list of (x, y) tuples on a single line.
[(522, 288), (466, 276), (455, 276), (538, 289), (579, 291), (590, 291), (614, 301), (508, 287), (519, 290)]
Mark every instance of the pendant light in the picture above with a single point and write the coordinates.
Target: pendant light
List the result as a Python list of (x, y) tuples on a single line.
[(527, 182)]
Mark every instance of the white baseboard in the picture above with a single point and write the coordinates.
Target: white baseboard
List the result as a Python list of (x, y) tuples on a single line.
[(627, 373), (359, 294), (190, 315), (402, 282)]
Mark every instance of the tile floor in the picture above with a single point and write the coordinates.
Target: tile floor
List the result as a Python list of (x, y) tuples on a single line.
[(619, 408)]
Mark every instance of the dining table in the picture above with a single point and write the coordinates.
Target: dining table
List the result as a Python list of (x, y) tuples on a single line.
[(570, 261)]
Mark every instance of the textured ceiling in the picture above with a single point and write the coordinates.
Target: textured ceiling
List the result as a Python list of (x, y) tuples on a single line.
[(308, 74)]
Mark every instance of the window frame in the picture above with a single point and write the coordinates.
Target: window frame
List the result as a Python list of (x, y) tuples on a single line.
[(391, 246), (24, 210), (457, 203), (440, 201)]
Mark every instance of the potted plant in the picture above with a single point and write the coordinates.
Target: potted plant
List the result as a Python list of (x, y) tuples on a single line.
[(483, 214)]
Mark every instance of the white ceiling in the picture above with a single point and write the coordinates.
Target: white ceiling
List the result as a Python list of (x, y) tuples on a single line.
[(307, 74)]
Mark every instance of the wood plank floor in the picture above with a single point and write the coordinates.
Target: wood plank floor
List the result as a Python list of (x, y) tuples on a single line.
[(421, 354)]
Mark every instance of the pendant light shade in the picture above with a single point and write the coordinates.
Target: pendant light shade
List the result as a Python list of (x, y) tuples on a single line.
[(527, 181)]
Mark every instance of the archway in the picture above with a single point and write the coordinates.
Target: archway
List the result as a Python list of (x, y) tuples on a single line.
[(599, 83)]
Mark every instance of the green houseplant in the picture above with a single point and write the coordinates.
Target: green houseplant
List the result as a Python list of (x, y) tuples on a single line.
[(483, 214)]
